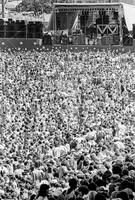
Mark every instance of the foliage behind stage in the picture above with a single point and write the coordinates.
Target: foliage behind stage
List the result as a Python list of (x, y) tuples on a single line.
[(37, 6)]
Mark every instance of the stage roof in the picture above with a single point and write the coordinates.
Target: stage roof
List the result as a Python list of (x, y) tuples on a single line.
[(132, 2), (77, 6), (84, 4)]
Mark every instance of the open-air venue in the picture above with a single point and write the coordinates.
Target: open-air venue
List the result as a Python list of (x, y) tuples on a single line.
[(67, 101)]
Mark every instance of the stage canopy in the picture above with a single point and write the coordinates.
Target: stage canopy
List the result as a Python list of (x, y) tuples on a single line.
[(61, 9), (129, 13)]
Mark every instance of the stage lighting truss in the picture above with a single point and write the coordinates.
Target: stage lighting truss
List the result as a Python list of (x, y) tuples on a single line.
[(113, 29), (90, 10)]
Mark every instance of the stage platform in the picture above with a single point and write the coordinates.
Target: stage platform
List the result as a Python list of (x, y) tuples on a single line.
[(31, 44), (20, 43), (81, 48)]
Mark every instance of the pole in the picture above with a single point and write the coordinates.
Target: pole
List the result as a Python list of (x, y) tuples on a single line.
[(85, 13), (55, 28), (54, 25), (68, 28), (120, 22), (3, 9), (5, 29), (26, 25)]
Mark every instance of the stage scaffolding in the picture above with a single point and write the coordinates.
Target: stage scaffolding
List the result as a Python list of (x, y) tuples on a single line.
[(63, 11)]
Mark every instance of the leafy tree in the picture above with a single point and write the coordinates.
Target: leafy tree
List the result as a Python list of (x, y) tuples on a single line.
[(37, 6)]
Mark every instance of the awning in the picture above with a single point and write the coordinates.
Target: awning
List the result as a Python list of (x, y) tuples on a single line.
[(129, 13)]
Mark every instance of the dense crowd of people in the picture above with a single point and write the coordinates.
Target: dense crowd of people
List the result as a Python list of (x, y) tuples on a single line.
[(67, 125)]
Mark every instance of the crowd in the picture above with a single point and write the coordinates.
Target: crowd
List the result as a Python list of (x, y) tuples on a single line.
[(67, 125)]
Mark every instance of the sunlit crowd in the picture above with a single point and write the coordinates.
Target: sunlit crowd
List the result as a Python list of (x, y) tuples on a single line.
[(67, 125)]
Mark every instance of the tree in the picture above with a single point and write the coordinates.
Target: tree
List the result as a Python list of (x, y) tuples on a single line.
[(37, 6)]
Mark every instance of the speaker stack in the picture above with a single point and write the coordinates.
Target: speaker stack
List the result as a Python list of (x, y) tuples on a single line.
[(10, 29), (47, 40), (116, 39), (38, 29), (31, 30), (20, 29), (34, 29)]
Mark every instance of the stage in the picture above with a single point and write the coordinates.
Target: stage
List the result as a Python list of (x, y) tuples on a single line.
[(77, 27), (94, 24), (18, 44), (81, 48)]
